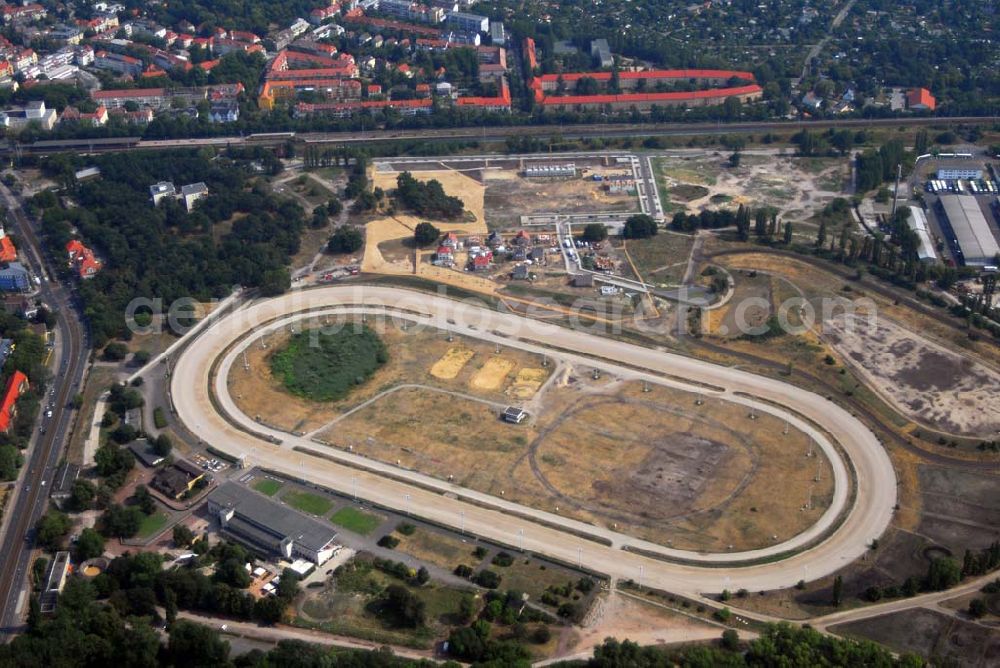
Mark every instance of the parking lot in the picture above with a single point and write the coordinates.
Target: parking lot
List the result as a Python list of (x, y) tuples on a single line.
[(212, 465)]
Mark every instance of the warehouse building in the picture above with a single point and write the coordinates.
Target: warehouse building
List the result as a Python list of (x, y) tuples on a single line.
[(970, 234), (918, 223), (262, 524)]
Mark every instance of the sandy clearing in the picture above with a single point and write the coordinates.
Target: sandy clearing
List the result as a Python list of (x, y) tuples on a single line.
[(492, 375), (393, 228), (615, 615), (784, 182), (927, 382), (451, 363)]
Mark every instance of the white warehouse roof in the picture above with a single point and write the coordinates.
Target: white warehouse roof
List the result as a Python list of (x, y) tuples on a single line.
[(972, 232), (918, 223)]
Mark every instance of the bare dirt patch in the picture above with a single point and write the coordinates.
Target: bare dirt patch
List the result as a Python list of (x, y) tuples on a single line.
[(928, 383), (661, 259), (492, 374), (698, 475), (930, 633), (510, 196), (796, 187), (388, 232), (615, 615)]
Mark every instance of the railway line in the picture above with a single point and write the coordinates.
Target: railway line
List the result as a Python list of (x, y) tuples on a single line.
[(611, 130)]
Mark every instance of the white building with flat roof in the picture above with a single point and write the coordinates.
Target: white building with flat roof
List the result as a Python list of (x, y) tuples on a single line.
[(918, 223), (158, 191), (953, 174)]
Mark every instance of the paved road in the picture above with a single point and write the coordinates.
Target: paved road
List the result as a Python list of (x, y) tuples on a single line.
[(32, 494), (869, 515), (272, 635), (818, 47)]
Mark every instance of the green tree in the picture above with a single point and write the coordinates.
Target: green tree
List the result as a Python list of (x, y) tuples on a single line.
[(944, 572), (34, 615), (89, 545), (51, 529), (192, 644), (346, 239), (760, 223), (10, 460), (82, 495), (977, 608), (838, 591), (424, 234), (288, 588), (233, 573), (269, 610), (404, 606), (144, 500), (115, 352), (182, 535), (111, 459), (170, 607), (121, 522), (787, 239), (163, 445), (275, 282), (639, 226), (427, 198), (594, 232), (821, 234)]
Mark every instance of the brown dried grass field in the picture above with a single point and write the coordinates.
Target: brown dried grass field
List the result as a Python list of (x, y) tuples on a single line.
[(417, 355), (651, 464)]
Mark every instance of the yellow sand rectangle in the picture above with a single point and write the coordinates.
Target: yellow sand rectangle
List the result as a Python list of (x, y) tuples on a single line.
[(451, 363), (492, 374)]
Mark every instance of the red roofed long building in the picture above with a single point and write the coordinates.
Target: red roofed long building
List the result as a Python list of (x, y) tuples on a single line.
[(16, 386), (530, 55), (498, 103), (643, 101)]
